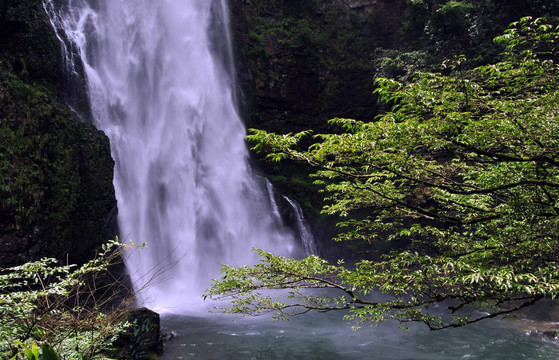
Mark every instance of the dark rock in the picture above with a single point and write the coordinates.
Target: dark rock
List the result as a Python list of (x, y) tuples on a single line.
[(167, 336), (56, 195), (141, 341)]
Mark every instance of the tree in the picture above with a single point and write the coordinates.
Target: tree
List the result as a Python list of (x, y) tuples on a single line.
[(463, 170)]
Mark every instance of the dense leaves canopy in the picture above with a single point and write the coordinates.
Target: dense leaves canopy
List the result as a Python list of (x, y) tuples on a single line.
[(464, 170)]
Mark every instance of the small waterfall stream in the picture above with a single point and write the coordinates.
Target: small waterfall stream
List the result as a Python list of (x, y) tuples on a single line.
[(161, 87), (304, 230)]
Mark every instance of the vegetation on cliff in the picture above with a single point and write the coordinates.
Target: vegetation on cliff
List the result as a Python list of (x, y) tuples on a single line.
[(55, 171), (55, 178), (310, 60), (460, 179)]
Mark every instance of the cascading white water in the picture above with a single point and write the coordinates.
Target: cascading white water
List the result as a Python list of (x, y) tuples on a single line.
[(304, 230), (165, 99)]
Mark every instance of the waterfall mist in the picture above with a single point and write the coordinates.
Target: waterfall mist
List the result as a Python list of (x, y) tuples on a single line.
[(161, 86)]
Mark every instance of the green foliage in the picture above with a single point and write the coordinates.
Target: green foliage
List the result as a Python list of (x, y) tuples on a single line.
[(401, 66), (47, 309), (32, 352), (462, 174), (309, 63)]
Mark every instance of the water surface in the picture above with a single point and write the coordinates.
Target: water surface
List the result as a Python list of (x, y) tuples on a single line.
[(327, 336)]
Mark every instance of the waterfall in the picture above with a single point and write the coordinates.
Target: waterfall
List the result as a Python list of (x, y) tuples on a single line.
[(296, 217), (272, 196), (161, 87), (303, 229)]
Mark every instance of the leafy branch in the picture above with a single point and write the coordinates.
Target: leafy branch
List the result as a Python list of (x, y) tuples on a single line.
[(463, 170)]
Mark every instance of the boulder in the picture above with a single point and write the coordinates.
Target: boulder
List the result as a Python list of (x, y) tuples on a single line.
[(142, 340)]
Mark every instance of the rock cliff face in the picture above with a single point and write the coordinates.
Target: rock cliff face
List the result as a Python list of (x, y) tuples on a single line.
[(300, 62), (303, 62), (56, 192), (363, 6)]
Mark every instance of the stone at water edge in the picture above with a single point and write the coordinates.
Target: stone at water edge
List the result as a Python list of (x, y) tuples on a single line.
[(141, 341)]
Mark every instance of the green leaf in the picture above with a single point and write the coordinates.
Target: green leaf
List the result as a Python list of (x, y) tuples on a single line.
[(48, 352)]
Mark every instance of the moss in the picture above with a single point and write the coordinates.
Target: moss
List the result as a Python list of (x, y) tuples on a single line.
[(30, 49), (302, 57), (56, 191), (56, 173)]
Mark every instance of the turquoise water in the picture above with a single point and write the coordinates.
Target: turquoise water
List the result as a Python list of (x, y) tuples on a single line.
[(327, 336)]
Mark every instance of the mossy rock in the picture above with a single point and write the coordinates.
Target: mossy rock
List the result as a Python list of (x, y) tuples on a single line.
[(29, 47), (56, 172), (56, 192)]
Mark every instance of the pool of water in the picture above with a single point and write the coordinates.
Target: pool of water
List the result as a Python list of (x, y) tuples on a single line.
[(328, 336)]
